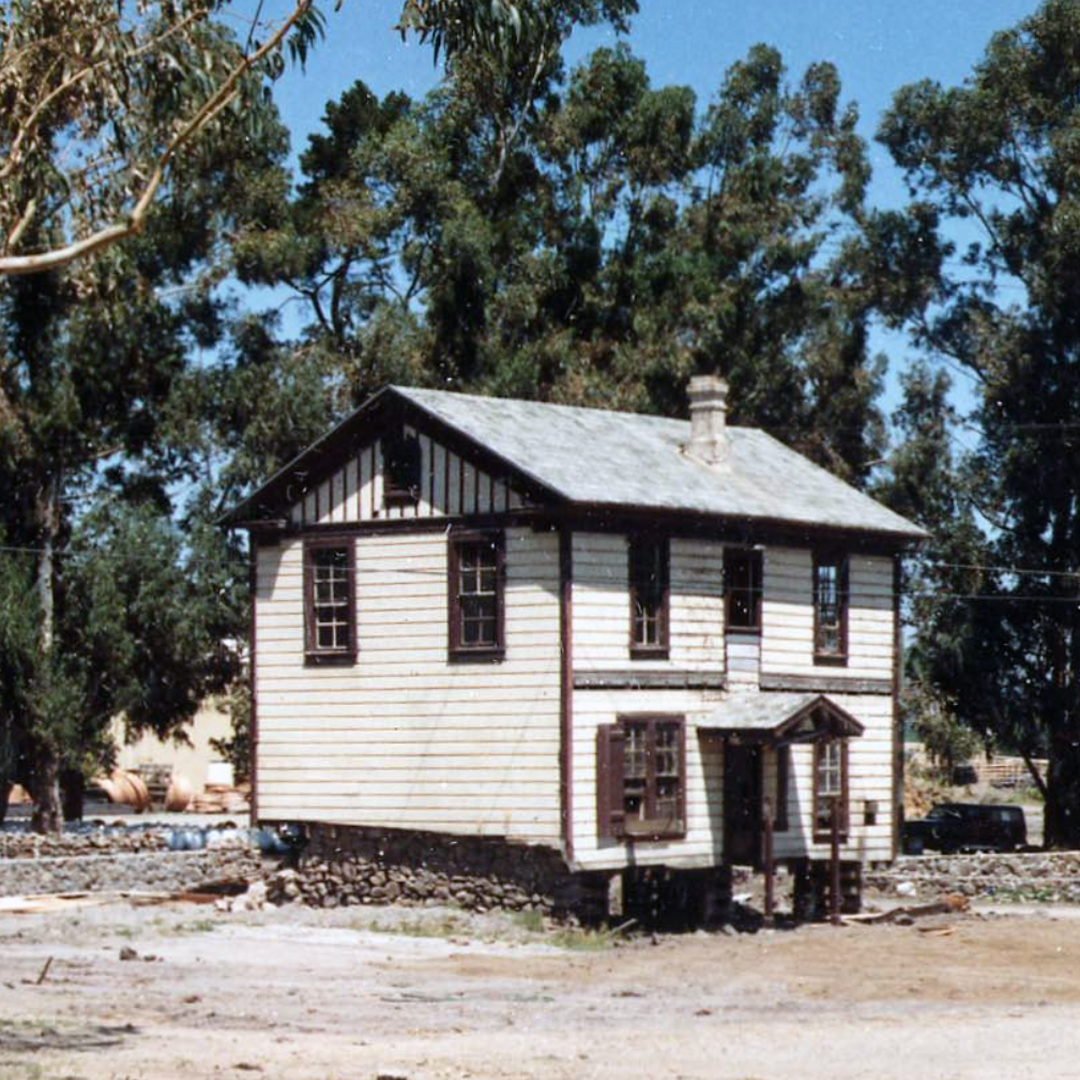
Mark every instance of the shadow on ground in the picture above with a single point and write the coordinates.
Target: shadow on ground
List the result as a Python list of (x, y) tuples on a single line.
[(31, 1038)]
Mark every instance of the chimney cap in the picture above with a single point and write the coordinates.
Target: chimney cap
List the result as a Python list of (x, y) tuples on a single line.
[(708, 418)]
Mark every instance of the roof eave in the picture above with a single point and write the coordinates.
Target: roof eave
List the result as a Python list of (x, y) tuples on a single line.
[(269, 496)]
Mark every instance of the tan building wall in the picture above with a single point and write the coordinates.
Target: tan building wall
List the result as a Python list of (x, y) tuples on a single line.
[(189, 761)]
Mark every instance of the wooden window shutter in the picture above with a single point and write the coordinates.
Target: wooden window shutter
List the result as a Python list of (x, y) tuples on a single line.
[(610, 753), (783, 774)]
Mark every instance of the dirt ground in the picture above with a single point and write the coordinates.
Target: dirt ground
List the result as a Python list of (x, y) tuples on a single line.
[(396, 994)]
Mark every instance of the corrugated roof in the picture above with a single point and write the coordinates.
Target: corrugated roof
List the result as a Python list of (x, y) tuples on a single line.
[(628, 460)]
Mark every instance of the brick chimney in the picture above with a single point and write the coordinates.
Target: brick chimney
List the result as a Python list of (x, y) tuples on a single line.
[(708, 418)]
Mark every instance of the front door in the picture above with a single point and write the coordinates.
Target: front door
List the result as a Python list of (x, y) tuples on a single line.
[(742, 804)]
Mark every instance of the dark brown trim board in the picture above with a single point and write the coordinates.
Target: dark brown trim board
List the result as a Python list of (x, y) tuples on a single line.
[(897, 727), (566, 690), (636, 679), (389, 526), (253, 719), (739, 531), (826, 684)]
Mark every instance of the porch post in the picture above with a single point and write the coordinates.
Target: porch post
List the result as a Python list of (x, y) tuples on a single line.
[(834, 860), (770, 899)]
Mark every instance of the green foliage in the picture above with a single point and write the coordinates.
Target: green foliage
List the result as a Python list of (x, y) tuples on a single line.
[(946, 740), (583, 237), (123, 609), (993, 162)]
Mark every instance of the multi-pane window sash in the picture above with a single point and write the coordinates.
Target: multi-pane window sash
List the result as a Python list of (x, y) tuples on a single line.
[(742, 587), (476, 596), (330, 606), (830, 609), (652, 778), (829, 785), (649, 563)]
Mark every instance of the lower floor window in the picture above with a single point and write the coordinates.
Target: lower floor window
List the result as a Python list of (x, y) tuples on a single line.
[(642, 778), (830, 786)]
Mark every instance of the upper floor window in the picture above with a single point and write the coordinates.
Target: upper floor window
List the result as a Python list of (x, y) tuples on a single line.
[(641, 777), (401, 469), (329, 600), (830, 609), (830, 787), (476, 588), (649, 568), (742, 589)]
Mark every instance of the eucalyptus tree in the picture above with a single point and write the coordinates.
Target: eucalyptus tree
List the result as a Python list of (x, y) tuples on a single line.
[(91, 355), (102, 98), (983, 266), (584, 236)]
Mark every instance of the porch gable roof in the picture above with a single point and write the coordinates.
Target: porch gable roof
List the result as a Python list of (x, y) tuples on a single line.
[(781, 718)]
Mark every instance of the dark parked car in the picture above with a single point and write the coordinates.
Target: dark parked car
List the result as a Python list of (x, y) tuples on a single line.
[(953, 827)]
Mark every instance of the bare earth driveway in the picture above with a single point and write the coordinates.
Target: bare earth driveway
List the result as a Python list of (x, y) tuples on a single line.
[(394, 993)]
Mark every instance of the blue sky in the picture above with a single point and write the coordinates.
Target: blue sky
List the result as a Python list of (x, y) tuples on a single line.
[(877, 45)]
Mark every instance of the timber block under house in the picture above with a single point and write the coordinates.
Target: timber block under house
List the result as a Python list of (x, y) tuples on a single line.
[(658, 649)]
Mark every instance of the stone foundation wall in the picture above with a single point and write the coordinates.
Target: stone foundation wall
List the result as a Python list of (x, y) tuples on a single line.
[(341, 866), (109, 841), (156, 871), (1051, 876)]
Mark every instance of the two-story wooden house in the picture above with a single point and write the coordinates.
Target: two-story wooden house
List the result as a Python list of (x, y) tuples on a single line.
[(622, 637)]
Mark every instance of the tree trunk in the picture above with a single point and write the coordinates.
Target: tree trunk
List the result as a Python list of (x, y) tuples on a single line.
[(47, 816), (6, 785), (1062, 810)]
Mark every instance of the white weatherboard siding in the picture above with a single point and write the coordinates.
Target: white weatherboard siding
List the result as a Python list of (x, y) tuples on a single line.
[(403, 738), (869, 777), (787, 646), (448, 485), (601, 606)]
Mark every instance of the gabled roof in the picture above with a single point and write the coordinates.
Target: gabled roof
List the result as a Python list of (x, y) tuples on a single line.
[(616, 460), (781, 718)]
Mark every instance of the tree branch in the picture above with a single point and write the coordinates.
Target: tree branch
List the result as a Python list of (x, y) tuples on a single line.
[(111, 234), (28, 125)]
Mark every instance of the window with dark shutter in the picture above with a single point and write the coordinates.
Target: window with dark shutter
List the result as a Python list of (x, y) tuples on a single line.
[(649, 575), (641, 778), (610, 749)]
